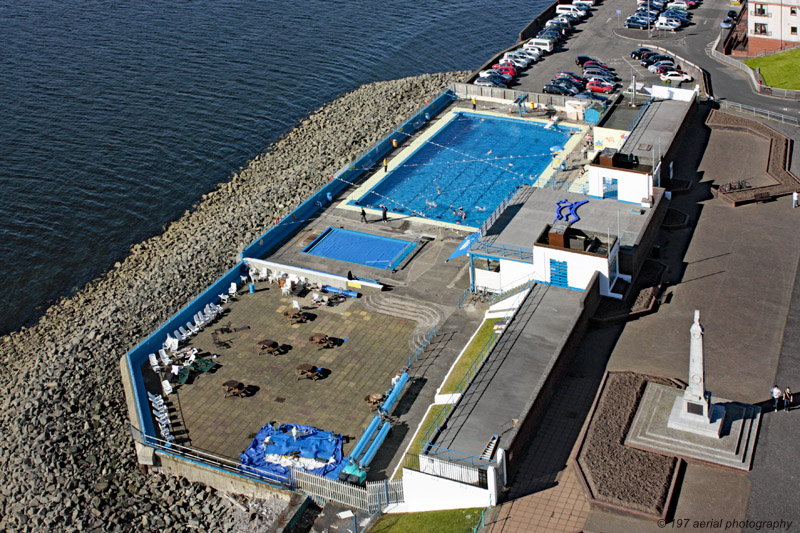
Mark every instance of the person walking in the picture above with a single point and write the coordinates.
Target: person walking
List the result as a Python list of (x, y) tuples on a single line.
[(788, 399), (776, 396), (384, 212), (385, 166), (474, 104), (363, 216), (795, 199)]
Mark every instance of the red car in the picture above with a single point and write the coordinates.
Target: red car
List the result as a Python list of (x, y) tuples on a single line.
[(598, 86), (596, 64), (506, 69)]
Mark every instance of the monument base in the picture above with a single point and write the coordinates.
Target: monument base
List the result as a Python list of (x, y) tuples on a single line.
[(732, 448), (699, 424)]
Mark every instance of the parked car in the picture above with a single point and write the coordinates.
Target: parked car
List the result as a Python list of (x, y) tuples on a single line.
[(671, 20), (505, 69), (556, 89), (636, 24), (570, 75), (646, 55), (653, 59), (637, 54), (732, 14), (597, 64), (726, 23), (483, 82), (600, 86), (654, 68), (666, 67), (590, 79), (493, 72), (665, 26), (589, 95), (684, 18), (493, 78), (518, 61), (569, 83), (569, 88), (533, 55), (599, 73), (676, 76), (580, 60)]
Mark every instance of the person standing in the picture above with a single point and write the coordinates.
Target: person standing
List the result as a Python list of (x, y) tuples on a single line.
[(384, 212), (776, 396), (788, 399), (795, 199), (474, 104), (385, 166), (363, 216)]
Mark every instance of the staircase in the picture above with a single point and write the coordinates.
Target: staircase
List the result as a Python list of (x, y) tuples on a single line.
[(426, 315)]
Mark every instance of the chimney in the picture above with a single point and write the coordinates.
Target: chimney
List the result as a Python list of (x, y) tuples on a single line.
[(558, 234)]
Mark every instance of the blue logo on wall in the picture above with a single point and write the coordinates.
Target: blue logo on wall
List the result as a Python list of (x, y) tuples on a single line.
[(572, 206)]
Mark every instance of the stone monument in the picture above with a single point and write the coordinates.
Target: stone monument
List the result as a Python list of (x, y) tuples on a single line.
[(693, 411), (686, 423)]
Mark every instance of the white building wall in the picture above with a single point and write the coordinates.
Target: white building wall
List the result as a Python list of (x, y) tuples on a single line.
[(424, 492), (580, 267), (779, 18), (487, 279), (514, 273), (631, 186)]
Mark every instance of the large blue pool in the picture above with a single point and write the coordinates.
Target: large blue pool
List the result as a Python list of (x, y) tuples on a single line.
[(473, 162), (360, 248)]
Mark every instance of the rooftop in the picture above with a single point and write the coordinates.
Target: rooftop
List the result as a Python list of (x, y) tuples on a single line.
[(531, 210)]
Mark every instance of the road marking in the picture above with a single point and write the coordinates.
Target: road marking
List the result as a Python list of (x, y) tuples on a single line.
[(609, 20)]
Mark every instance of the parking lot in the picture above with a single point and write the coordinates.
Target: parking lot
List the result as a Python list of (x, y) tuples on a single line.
[(603, 36)]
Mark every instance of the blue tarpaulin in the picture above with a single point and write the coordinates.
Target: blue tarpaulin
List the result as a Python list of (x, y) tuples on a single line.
[(311, 447)]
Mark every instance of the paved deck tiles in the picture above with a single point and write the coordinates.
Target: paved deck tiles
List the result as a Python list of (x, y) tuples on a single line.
[(377, 347)]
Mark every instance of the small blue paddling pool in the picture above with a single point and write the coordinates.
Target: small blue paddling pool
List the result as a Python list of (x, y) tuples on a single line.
[(360, 248)]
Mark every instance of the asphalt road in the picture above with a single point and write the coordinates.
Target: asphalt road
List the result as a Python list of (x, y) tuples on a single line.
[(602, 35)]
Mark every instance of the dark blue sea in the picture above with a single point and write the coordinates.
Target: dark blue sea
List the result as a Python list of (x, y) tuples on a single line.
[(115, 117)]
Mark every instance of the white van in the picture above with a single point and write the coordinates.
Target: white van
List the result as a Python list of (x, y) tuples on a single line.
[(545, 45), (575, 10)]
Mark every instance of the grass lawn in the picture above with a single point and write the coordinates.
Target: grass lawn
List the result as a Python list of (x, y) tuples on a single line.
[(455, 521), (779, 70), (469, 356)]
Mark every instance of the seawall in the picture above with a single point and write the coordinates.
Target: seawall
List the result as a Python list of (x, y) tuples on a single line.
[(66, 457)]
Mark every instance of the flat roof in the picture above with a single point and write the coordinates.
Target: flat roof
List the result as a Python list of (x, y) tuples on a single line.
[(532, 209), (515, 371), (656, 129)]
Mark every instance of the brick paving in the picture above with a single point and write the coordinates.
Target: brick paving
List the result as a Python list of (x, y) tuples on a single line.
[(375, 350)]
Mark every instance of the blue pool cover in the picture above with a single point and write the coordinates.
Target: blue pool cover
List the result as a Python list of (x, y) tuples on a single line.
[(324, 447), (467, 169), (360, 248)]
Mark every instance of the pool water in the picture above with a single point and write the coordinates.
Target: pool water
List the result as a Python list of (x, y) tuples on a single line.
[(360, 248), (472, 163)]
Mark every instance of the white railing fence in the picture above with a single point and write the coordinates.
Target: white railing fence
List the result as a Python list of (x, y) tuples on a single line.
[(373, 498)]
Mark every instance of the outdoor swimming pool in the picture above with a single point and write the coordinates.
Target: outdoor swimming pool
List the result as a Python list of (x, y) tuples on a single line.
[(360, 248), (473, 162)]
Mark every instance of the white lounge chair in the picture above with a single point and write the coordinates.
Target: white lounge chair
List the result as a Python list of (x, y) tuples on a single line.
[(167, 387), (316, 299), (232, 290), (171, 343), (155, 397), (185, 333), (295, 304), (180, 336), (164, 357), (191, 327), (154, 363), (224, 298)]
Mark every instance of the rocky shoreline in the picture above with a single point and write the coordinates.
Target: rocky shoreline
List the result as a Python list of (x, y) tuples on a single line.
[(67, 456)]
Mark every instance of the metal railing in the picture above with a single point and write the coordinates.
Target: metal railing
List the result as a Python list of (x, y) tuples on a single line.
[(756, 112), (435, 466), (503, 250), (760, 88), (373, 497), (640, 114), (497, 212), (210, 459), (515, 290), (419, 350)]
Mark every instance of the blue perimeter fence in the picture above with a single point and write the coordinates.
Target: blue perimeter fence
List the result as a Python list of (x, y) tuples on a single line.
[(271, 239)]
